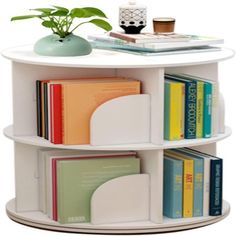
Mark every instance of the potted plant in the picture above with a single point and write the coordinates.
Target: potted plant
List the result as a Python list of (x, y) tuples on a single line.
[(61, 21)]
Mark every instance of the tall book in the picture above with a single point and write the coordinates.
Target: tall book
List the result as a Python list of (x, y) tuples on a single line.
[(188, 171), (210, 105), (78, 179), (39, 113), (190, 104), (173, 187), (198, 180), (174, 110), (80, 100), (216, 182)]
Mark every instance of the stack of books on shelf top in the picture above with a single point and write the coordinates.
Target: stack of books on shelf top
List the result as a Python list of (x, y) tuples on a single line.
[(65, 107), (191, 107), (192, 184), (68, 179), (154, 44)]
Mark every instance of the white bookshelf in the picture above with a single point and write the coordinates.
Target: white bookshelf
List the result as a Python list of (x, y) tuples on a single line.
[(146, 114)]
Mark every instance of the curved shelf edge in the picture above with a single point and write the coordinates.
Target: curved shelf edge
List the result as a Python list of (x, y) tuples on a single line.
[(111, 59), (37, 141), (40, 220)]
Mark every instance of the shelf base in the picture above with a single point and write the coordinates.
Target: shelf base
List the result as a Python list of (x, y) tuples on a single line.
[(39, 220)]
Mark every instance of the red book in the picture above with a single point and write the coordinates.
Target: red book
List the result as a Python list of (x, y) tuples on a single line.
[(56, 113)]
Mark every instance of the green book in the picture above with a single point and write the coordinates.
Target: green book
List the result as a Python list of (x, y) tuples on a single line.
[(78, 179)]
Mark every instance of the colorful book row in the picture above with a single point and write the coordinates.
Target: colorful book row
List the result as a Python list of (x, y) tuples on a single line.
[(191, 107), (68, 179), (192, 184), (64, 107)]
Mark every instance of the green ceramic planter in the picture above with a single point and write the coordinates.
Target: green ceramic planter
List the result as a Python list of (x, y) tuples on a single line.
[(71, 45)]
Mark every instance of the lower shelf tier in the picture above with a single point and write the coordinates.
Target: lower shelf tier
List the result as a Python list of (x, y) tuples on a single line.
[(40, 220)]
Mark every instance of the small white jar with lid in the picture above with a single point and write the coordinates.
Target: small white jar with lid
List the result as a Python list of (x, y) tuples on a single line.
[(132, 17)]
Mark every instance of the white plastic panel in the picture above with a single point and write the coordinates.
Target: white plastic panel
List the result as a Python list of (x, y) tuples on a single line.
[(122, 199), (153, 84), (121, 120), (152, 164)]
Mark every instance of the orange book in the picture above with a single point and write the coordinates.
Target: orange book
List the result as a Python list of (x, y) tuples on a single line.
[(80, 100)]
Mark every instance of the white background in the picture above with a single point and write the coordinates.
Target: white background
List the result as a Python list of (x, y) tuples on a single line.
[(203, 17)]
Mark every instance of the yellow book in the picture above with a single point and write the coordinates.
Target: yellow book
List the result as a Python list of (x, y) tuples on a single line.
[(187, 182), (80, 100), (199, 115), (174, 110)]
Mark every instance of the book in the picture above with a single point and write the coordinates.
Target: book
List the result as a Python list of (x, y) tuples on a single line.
[(79, 101), (184, 41), (198, 179), (216, 181), (188, 171), (38, 110), (173, 187), (174, 110), (210, 105), (190, 104), (78, 179), (145, 51), (150, 37), (216, 187)]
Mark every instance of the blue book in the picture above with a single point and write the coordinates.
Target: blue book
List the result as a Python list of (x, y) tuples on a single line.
[(216, 182), (173, 187), (190, 124), (216, 176), (198, 181), (207, 110)]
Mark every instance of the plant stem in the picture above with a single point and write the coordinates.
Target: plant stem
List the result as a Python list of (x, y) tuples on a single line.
[(79, 25)]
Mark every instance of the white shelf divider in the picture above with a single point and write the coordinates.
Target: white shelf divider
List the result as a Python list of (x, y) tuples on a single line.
[(122, 120), (122, 199)]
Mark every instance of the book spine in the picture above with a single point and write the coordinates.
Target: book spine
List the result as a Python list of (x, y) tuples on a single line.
[(198, 187), (215, 109), (188, 189), (56, 113), (42, 110), (216, 176), (199, 115), (207, 110), (45, 91), (122, 36), (167, 111), (173, 174), (190, 109), (39, 114), (174, 111)]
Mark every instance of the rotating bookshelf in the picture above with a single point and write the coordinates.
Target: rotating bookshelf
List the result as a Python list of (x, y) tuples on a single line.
[(146, 138)]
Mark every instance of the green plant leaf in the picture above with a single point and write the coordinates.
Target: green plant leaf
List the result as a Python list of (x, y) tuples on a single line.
[(46, 11), (61, 8), (92, 11), (102, 24), (77, 12), (24, 17), (60, 13), (48, 24)]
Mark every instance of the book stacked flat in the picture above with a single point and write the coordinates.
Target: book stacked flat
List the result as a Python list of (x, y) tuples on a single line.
[(191, 107), (64, 107), (68, 179), (192, 184), (154, 44)]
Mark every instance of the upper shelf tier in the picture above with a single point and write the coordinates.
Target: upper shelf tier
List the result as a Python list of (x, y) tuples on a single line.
[(37, 141), (111, 59)]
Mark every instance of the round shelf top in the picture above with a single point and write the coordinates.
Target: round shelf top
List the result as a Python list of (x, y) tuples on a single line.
[(111, 59)]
